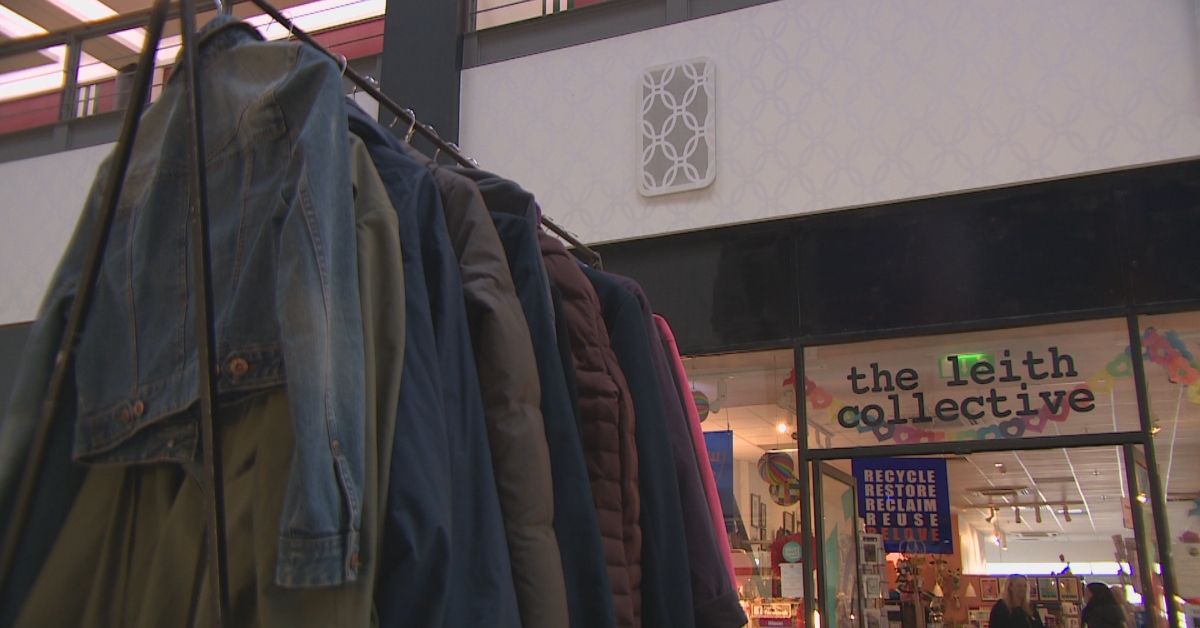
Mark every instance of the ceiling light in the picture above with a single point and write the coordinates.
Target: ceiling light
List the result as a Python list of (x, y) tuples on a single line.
[(992, 515), (1038, 514), (782, 428), (1000, 468), (1017, 513), (970, 592), (1141, 497), (1067, 513), (1155, 429)]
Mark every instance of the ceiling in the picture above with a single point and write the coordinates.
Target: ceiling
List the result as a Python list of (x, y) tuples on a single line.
[(748, 391), (36, 72)]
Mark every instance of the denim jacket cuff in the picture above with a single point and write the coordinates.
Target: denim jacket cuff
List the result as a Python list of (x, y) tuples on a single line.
[(322, 562)]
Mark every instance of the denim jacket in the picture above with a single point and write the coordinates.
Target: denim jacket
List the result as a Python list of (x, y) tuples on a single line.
[(284, 292)]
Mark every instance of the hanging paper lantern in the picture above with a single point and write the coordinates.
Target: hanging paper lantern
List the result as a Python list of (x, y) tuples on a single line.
[(701, 400), (786, 494), (775, 468)]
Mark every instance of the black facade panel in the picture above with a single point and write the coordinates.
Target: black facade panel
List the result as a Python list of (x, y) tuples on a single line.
[(1162, 219), (1025, 251), (720, 289), (421, 63)]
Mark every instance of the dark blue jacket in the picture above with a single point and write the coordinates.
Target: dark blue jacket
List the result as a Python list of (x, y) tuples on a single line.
[(473, 583), (717, 604), (666, 572), (576, 525)]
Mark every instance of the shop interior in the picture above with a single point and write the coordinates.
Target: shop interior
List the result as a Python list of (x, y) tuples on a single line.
[(1064, 516)]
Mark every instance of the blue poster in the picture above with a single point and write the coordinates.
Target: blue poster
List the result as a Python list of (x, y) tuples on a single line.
[(907, 502), (720, 456)]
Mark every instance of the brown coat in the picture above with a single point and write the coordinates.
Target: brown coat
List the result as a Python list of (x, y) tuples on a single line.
[(508, 379), (606, 410)]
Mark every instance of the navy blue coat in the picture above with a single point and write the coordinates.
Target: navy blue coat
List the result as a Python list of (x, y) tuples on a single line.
[(470, 583), (576, 525), (717, 604), (666, 573)]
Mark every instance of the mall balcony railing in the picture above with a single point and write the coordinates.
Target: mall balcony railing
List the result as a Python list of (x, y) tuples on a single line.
[(87, 71), (491, 13)]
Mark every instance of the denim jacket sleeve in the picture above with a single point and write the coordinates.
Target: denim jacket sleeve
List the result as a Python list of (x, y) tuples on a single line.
[(316, 296)]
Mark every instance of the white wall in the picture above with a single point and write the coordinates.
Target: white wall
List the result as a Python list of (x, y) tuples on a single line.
[(40, 201), (825, 104)]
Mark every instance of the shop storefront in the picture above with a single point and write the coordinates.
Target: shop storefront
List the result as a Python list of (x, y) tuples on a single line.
[(987, 389)]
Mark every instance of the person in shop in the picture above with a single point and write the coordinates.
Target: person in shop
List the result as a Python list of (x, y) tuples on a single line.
[(1118, 592), (1101, 609), (1013, 609)]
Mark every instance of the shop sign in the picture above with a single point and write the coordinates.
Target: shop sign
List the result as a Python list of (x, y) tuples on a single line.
[(1005, 393), (791, 552), (993, 397), (1007, 412), (907, 502)]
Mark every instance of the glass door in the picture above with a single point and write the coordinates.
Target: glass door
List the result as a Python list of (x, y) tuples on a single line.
[(839, 581)]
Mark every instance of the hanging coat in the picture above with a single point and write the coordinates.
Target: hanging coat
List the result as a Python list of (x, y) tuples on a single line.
[(715, 598), (701, 447), (585, 571), (609, 445), (435, 544), (508, 379), (666, 583)]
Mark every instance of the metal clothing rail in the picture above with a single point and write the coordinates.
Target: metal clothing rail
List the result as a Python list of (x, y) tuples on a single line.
[(408, 117)]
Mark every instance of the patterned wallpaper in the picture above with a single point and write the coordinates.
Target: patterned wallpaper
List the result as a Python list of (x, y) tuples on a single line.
[(826, 104)]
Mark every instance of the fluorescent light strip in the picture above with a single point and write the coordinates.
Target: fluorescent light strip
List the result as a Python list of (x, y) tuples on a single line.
[(1099, 568), (92, 11), (49, 77), (320, 15), (312, 17), (16, 26)]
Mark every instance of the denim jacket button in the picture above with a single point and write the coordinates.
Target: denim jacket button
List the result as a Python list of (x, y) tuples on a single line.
[(124, 416), (336, 446), (354, 560), (139, 408), (238, 367)]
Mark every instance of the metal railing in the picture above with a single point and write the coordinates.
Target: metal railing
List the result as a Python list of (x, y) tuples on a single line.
[(492, 13), (87, 70)]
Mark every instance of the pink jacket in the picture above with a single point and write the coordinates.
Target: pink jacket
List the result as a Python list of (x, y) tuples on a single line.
[(706, 475)]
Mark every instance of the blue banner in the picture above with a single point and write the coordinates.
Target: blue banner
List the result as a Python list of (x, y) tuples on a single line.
[(720, 456), (907, 502)]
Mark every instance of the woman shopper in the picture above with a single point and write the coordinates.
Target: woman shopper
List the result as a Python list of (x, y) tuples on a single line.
[(1013, 609), (1102, 609)]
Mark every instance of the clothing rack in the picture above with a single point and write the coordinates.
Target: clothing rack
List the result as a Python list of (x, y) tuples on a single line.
[(208, 471)]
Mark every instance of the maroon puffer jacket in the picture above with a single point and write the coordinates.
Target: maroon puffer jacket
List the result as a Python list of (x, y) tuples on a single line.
[(609, 448)]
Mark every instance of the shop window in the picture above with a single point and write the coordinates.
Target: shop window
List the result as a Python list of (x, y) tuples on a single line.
[(749, 422), (1066, 379), (1171, 359)]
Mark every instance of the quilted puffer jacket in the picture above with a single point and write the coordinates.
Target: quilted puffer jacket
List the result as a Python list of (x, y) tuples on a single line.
[(606, 411)]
